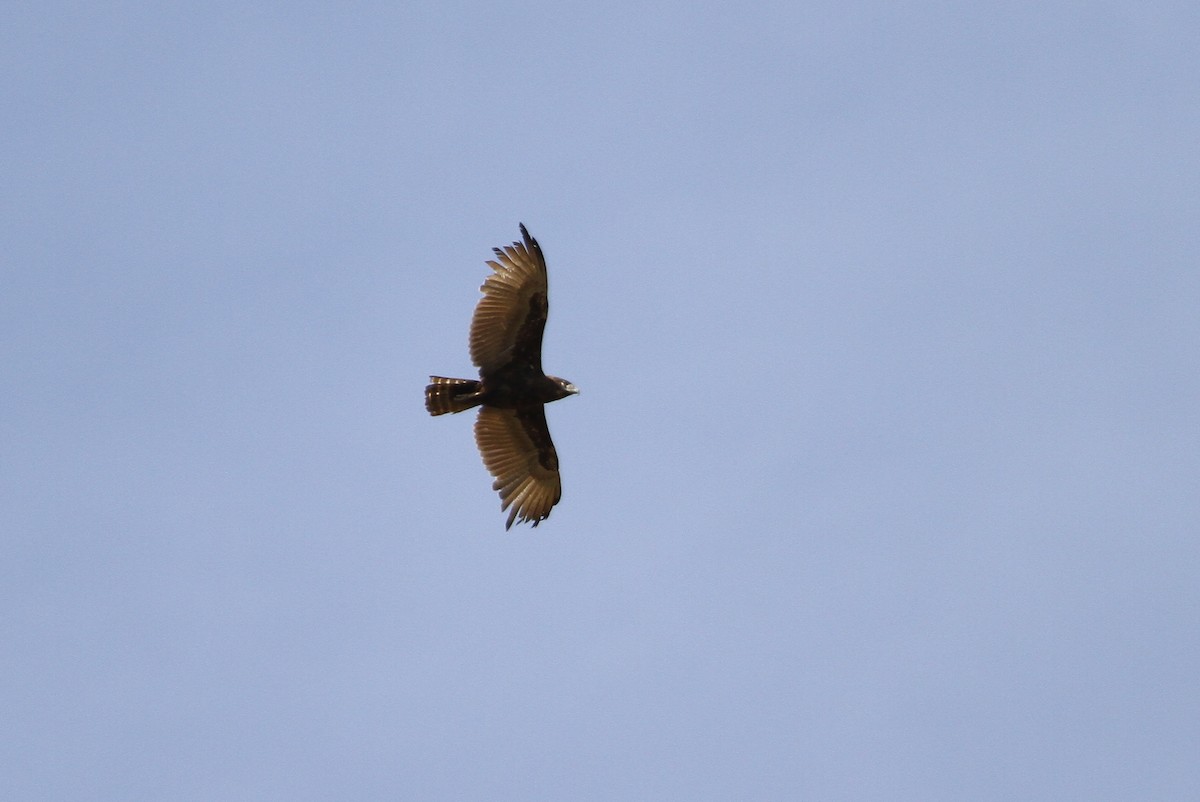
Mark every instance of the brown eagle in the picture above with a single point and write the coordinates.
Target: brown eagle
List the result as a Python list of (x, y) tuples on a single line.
[(512, 390)]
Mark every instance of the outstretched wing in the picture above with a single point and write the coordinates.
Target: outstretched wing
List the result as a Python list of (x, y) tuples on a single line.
[(511, 315), (517, 450)]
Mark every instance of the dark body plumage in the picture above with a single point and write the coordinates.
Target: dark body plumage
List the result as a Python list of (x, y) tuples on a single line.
[(512, 390)]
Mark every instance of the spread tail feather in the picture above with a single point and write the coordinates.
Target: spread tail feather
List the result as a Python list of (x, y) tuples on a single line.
[(444, 395)]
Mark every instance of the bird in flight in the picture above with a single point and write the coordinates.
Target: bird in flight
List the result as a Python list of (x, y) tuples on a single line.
[(511, 391)]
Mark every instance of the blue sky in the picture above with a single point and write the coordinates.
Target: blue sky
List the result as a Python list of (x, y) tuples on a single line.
[(883, 479)]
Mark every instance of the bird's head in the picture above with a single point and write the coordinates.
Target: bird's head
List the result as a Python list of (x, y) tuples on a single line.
[(564, 386)]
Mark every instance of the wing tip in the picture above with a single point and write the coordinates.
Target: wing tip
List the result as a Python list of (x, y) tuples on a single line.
[(531, 244)]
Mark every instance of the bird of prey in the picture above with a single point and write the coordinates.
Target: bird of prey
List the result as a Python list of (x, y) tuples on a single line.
[(511, 391)]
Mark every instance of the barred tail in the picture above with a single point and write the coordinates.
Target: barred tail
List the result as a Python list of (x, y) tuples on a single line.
[(444, 395)]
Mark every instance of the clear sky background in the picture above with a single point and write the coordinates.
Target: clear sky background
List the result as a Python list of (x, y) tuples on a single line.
[(883, 481)]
